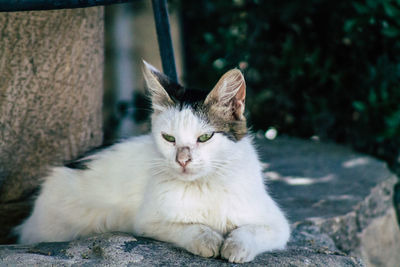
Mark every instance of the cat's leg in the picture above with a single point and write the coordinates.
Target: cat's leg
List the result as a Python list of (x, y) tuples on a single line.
[(247, 241), (198, 239)]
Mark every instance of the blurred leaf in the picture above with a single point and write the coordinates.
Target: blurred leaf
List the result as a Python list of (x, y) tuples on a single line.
[(359, 106), (393, 124), (372, 99), (391, 10), (391, 32), (349, 25), (209, 37), (384, 92), (373, 4), (360, 8)]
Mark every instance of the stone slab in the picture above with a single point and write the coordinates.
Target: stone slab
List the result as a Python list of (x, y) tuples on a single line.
[(307, 248), (339, 203), (347, 195), (314, 179)]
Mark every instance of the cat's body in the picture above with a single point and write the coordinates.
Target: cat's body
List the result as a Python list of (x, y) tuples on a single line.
[(195, 181)]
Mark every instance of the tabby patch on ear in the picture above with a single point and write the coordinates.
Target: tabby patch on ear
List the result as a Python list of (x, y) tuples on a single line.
[(229, 94), (226, 102)]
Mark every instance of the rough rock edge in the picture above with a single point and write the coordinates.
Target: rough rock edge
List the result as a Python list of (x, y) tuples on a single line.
[(345, 230), (308, 246)]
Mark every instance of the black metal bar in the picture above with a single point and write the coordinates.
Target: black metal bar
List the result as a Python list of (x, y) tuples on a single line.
[(25, 5), (164, 38)]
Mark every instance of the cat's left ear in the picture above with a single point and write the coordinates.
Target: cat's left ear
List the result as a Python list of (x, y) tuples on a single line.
[(229, 94), (156, 83)]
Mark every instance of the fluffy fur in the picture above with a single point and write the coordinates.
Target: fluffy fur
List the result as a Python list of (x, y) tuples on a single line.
[(207, 197)]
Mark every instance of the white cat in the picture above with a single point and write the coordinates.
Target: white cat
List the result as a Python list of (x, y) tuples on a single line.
[(194, 181)]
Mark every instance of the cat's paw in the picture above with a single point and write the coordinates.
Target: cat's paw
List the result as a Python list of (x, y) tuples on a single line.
[(206, 243), (236, 249)]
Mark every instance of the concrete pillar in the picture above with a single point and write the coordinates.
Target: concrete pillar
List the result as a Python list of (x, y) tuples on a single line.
[(51, 88)]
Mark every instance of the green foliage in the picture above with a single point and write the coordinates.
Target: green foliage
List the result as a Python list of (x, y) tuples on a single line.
[(315, 67)]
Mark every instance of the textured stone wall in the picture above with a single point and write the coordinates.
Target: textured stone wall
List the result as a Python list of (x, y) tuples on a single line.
[(51, 87)]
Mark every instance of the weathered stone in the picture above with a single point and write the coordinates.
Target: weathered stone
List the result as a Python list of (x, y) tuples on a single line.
[(51, 83), (123, 250), (339, 203), (380, 242), (348, 196)]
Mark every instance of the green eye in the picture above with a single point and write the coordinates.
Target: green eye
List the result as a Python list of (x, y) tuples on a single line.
[(204, 137), (168, 138)]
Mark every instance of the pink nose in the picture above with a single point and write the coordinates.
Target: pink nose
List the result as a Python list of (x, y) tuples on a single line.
[(183, 156), (183, 163)]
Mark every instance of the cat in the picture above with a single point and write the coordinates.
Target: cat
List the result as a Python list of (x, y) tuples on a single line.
[(195, 181)]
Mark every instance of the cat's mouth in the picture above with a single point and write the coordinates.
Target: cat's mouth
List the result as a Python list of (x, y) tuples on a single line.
[(185, 171), (188, 174)]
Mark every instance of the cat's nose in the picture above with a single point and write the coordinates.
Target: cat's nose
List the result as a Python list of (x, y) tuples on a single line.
[(183, 156)]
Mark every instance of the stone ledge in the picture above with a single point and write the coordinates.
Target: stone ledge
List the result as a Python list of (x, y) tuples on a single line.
[(340, 204), (118, 249), (346, 195)]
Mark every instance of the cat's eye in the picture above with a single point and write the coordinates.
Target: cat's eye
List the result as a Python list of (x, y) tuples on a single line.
[(168, 138), (204, 137)]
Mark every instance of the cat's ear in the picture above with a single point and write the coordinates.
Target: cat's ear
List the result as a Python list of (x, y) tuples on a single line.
[(229, 94), (156, 83)]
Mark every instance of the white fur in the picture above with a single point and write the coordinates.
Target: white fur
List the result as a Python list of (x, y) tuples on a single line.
[(219, 206)]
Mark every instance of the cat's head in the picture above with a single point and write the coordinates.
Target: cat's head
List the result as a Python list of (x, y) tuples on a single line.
[(196, 131)]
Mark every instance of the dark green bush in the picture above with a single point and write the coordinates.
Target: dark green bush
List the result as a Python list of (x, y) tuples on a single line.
[(316, 67)]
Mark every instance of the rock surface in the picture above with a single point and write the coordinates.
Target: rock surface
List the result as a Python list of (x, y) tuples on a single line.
[(307, 248), (51, 87), (346, 195), (338, 201)]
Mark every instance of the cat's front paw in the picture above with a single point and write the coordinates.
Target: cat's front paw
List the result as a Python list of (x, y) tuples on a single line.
[(206, 243), (236, 249)]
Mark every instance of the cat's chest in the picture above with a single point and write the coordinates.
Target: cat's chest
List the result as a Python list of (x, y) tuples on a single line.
[(209, 204)]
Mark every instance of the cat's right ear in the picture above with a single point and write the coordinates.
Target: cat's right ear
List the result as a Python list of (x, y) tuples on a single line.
[(154, 81)]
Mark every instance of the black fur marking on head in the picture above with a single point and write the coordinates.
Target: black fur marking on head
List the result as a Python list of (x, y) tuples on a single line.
[(180, 95), (80, 164), (228, 135)]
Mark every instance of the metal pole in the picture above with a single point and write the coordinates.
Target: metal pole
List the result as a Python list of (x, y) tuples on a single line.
[(25, 5), (164, 38)]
